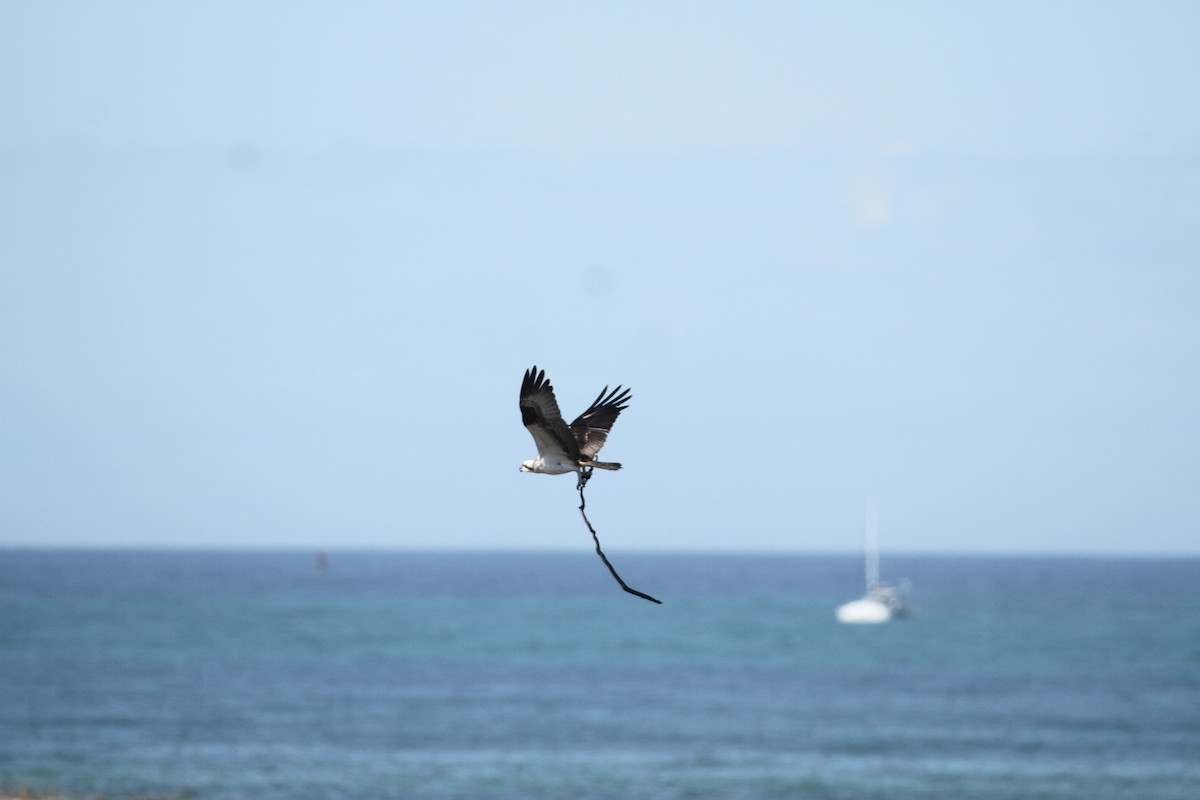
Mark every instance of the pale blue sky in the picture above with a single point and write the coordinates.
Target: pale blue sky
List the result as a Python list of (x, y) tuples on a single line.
[(270, 273)]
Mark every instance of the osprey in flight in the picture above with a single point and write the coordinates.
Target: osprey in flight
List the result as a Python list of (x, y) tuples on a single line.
[(561, 447)]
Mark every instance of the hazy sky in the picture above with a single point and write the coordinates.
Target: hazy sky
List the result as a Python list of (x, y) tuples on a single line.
[(270, 273)]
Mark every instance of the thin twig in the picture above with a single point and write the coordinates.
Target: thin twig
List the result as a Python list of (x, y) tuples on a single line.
[(625, 586)]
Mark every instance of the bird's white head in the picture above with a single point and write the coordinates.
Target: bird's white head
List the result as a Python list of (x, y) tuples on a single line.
[(527, 466)]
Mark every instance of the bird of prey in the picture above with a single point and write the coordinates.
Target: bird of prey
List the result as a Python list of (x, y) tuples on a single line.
[(564, 448)]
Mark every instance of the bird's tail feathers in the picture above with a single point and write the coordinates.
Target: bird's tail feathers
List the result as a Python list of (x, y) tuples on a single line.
[(612, 465)]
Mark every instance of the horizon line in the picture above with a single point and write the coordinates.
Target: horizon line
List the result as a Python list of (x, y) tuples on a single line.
[(564, 550)]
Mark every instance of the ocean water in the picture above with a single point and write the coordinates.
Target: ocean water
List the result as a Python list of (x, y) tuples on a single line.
[(531, 675)]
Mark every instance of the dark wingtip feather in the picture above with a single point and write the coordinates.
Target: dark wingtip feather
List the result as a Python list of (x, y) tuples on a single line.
[(534, 381), (618, 398), (614, 398)]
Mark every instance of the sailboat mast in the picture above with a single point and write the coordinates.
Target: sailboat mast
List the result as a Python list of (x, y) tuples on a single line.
[(872, 544)]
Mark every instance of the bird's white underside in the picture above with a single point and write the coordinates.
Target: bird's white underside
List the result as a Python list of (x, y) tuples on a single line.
[(549, 466)]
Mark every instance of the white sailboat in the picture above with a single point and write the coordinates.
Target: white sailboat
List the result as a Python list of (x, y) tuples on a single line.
[(882, 601)]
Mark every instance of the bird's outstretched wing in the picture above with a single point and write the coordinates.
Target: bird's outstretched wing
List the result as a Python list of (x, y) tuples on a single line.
[(592, 426), (540, 415)]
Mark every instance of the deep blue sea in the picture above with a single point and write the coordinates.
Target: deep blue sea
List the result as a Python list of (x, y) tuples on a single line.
[(531, 675)]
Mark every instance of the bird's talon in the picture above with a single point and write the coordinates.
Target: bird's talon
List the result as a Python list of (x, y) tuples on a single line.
[(584, 475)]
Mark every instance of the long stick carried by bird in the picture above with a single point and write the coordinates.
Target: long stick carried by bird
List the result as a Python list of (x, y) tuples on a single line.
[(564, 448)]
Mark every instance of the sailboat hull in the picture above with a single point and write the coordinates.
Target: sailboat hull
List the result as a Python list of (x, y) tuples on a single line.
[(864, 611)]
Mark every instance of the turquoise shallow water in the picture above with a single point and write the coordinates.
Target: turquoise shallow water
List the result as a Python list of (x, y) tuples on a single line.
[(516, 675)]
